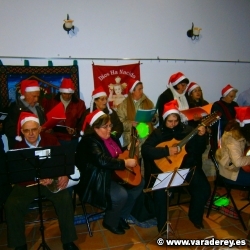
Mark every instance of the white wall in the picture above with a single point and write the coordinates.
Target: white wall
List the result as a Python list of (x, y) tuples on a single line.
[(140, 29)]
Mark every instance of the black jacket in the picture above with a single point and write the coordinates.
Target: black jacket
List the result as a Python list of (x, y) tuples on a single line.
[(195, 147), (91, 155)]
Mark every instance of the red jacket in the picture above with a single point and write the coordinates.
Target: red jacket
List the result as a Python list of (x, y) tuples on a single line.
[(74, 112)]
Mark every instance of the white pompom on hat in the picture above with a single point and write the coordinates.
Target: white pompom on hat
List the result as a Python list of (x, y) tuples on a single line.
[(91, 118), (67, 86), (191, 87), (25, 117), (177, 78), (29, 86), (226, 90), (131, 84), (242, 115), (98, 92), (170, 108)]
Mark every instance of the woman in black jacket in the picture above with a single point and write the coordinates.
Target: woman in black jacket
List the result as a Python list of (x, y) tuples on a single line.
[(100, 150), (199, 187)]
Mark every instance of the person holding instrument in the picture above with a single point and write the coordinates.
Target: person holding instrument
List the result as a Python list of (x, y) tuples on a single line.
[(24, 193), (199, 187), (100, 149)]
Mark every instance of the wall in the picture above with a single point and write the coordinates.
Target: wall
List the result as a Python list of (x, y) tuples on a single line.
[(141, 29)]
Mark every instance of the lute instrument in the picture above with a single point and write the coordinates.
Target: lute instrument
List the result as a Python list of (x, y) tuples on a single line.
[(130, 176), (169, 163)]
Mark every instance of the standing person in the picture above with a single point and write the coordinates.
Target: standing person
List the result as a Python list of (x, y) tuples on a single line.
[(199, 187), (27, 102), (226, 106), (22, 194), (100, 101), (176, 90), (244, 98), (74, 109), (126, 111), (100, 149), (195, 99)]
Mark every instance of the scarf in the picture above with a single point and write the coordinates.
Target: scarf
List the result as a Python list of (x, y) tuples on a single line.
[(180, 98)]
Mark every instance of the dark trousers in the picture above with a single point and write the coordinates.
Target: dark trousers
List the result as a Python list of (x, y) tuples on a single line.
[(123, 200), (17, 206), (199, 189), (243, 179)]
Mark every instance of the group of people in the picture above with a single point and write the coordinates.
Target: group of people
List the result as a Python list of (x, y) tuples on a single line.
[(94, 137)]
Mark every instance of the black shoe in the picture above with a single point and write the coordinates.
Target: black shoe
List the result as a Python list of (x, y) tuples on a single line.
[(114, 230), (24, 247), (124, 224), (199, 225), (70, 246)]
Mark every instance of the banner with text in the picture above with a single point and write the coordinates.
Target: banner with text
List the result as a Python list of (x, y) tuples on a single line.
[(114, 80)]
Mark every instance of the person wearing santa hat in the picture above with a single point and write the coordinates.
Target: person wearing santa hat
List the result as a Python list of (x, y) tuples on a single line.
[(126, 111), (234, 163), (99, 101), (29, 136), (226, 107), (74, 109), (176, 89), (195, 99), (100, 150), (27, 102), (199, 187)]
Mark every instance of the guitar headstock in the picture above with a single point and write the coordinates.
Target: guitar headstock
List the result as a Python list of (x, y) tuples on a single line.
[(134, 132), (210, 119)]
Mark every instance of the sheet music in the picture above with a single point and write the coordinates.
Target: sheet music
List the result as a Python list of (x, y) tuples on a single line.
[(163, 179)]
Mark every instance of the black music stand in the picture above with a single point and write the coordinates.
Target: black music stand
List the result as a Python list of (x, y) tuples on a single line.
[(167, 180), (34, 164)]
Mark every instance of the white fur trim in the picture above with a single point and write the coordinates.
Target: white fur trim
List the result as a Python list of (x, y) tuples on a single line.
[(171, 111), (131, 89), (31, 89), (99, 94), (29, 118), (22, 97), (68, 91), (18, 138), (95, 117), (81, 133), (243, 123), (178, 80), (192, 88), (227, 92)]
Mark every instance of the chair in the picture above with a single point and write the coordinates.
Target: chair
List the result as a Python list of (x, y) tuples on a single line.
[(222, 181)]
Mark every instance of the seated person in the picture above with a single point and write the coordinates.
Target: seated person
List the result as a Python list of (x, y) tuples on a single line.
[(100, 101), (231, 156), (100, 149), (199, 187), (74, 109), (27, 102), (21, 196)]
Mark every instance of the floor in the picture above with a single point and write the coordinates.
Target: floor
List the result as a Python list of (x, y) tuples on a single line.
[(218, 225)]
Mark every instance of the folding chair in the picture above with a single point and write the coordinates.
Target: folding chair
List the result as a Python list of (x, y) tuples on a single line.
[(229, 187)]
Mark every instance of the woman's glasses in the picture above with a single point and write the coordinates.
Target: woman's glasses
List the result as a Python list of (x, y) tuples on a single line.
[(107, 126)]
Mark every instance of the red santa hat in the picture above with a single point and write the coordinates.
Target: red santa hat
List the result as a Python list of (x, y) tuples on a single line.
[(225, 91), (177, 78), (191, 87), (170, 108), (25, 117), (29, 86), (67, 86), (91, 118), (98, 92), (242, 115), (131, 84)]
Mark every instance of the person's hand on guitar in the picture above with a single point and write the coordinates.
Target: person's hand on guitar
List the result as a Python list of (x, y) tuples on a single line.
[(131, 163), (173, 150), (134, 123), (62, 182), (201, 130), (46, 182)]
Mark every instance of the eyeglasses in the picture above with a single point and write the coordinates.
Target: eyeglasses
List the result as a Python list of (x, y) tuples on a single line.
[(29, 131), (107, 126)]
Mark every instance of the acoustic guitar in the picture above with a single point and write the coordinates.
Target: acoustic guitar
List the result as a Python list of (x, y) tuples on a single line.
[(169, 163), (247, 153), (130, 176)]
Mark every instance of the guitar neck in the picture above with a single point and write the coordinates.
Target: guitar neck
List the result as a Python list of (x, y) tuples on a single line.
[(133, 144), (187, 138)]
